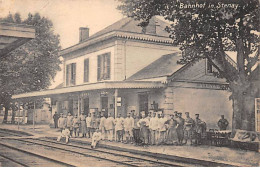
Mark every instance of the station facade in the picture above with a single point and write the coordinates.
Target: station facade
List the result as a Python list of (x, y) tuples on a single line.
[(125, 67)]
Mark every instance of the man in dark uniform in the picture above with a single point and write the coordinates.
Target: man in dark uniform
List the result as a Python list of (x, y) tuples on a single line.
[(200, 128), (188, 128), (223, 123), (180, 126), (56, 118)]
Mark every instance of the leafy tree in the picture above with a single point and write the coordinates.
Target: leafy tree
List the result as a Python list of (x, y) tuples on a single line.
[(208, 32), (33, 65)]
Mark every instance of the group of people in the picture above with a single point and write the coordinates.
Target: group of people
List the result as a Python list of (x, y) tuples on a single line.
[(151, 129)]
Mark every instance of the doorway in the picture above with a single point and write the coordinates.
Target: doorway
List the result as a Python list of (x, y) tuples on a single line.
[(143, 103), (86, 106), (104, 105)]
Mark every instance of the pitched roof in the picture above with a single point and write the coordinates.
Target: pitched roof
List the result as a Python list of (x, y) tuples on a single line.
[(130, 25), (166, 65)]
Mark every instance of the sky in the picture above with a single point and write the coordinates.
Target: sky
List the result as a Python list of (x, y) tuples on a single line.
[(67, 16)]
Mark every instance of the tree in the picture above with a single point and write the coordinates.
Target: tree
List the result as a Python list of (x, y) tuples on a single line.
[(32, 66), (207, 30)]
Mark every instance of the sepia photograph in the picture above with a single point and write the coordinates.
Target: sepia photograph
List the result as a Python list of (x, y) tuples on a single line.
[(129, 83)]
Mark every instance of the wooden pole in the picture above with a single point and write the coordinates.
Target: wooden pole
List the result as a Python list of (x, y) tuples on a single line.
[(34, 115), (19, 115), (116, 94), (78, 104)]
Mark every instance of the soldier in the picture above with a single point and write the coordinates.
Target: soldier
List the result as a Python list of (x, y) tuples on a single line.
[(93, 123), (97, 121), (136, 129), (161, 128), (153, 126), (143, 123), (62, 122), (83, 126), (200, 128), (76, 124), (188, 128), (150, 115), (102, 126), (56, 118), (88, 124), (128, 128), (119, 127), (64, 133), (171, 125), (223, 123), (180, 126), (109, 126), (96, 138), (70, 123)]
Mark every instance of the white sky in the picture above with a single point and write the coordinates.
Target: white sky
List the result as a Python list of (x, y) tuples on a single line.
[(67, 16)]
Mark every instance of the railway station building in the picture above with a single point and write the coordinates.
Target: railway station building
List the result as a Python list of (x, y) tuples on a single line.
[(125, 67)]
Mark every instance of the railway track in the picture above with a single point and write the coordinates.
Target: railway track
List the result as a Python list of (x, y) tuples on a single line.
[(84, 156), (32, 159), (8, 133), (116, 157)]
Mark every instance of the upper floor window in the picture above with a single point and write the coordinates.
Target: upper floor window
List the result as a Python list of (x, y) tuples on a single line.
[(71, 74), (103, 67), (209, 67), (86, 70)]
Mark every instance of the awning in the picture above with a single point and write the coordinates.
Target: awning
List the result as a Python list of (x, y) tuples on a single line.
[(93, 86), (14, 35)]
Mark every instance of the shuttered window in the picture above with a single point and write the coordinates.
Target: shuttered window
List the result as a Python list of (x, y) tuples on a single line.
[(103, 69), (86, 70), (71, 74)]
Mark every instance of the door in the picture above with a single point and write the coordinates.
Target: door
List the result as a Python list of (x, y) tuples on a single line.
[(104, 105), (86, 106), (143, 103)]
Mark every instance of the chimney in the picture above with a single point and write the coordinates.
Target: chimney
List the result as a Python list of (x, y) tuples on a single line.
[(83, 33)]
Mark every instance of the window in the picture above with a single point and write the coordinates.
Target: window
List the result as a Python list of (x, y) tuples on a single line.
[(103, 67), (86, 70), (209, 66), (71, 74)]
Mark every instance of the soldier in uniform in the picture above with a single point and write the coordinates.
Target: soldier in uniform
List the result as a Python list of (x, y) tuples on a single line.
[(188, 128), (171, 125), (88, 125), (223, 123), (162, 128), (62, 122), (119, 127), (70, 123), (102, 126), (83, 126), (136, 129), (200, 128), (143, 123), (56, 118), (76, 124), (180, 126), (150, 115), (109, 126), (64, 133), (96, 138), (128, 128), (153, 126)]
